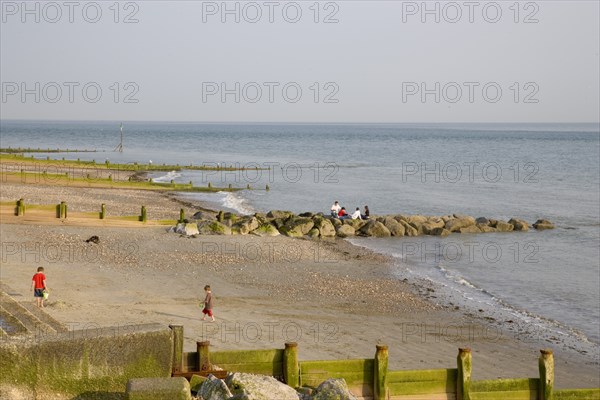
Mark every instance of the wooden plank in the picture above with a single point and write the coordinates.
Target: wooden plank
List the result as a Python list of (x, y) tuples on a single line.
[(426, 387), (577, 394), (188, 374), (505, 385), (510, 395), (337, 365), (422, 375), (440, 396), (265, 368), (243, 356), (350, 377), (190, 360)]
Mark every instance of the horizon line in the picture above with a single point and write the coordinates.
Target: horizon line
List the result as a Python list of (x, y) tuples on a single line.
[(299, 122)]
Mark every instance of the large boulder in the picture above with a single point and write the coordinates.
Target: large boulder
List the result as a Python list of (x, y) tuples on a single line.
[(454, 225), (245, 225), (258, 387), (502, 226), (355, 223), (180, 228), (279, 214), (470, 229), (191, 229), (375, 229), (519, 224), (409, 230), (325, 227), (203, 215), (266, 230), (261, 217), (336, 222), (401, 217), (395, 227), (485, 228), (196, 381), (417, 219), (482, 220), (333, 389), (432, 224), (440, 231), (297, 227), (214, 389), (542, 224), (313, 233), (447, 218), (214, 228), (278, 223), (345, 231)]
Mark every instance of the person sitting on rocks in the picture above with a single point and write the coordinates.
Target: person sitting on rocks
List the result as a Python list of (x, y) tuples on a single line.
[(366, 214), (343, 214), (356, 214), (335, 209)]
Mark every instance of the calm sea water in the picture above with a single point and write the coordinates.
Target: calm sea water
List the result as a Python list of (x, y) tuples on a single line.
[(549, 279)]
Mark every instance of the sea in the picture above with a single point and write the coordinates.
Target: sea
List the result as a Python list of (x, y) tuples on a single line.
[(542, 284)]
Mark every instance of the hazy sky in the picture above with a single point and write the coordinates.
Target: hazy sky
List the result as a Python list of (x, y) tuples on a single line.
[(304, 61)]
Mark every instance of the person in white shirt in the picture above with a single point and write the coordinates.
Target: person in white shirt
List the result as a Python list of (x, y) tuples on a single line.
[(356, 214), (335, 209)]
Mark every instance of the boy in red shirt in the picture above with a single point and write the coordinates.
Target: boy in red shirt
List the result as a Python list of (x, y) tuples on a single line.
[(208, 304), (38, 285)]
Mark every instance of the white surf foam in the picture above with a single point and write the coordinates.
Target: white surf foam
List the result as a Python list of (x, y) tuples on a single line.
[(172, 175), (236, 203)]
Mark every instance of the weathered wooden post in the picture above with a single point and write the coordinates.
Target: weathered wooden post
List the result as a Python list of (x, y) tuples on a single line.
[(203, 356), (143, 216), (463, 386), (181, 215), (267, 188), (209, 185), (546, 365), (177, 347), (380, 376), (63, 210), (20, 207), (229, 186), (291, 368), (103, 211)]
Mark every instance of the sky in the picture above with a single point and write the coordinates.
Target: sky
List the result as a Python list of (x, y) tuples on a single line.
[(302, 61)]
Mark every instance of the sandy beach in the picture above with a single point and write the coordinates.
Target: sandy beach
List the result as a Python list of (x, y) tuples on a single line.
[(335, 299)]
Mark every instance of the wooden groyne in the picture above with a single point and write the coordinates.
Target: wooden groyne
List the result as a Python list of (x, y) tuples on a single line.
[(370, 378)]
